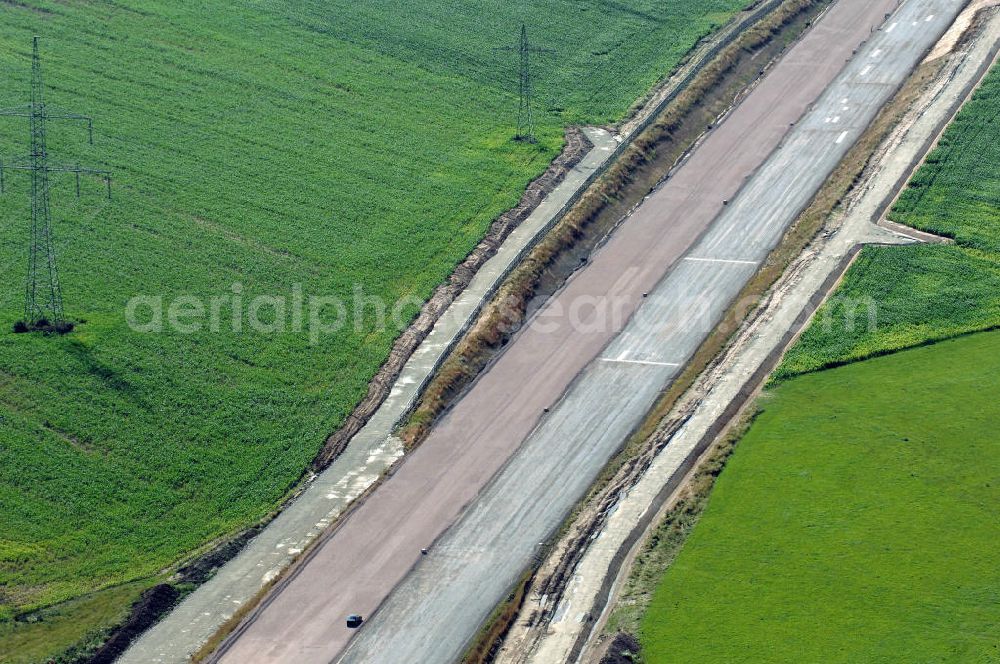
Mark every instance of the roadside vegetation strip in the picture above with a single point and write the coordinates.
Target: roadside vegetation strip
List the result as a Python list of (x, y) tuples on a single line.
[(263, 147), (854, 522), (668, 538), (899, 297), (101, 613)]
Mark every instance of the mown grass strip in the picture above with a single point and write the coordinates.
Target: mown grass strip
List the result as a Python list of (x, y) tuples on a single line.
[(921, 294), (852, 523)]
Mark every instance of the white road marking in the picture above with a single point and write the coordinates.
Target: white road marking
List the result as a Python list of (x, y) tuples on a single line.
[(840, 139), (877, 52), (929, 18), (864, 72), (721, 260), (891, 28), (647, 362)]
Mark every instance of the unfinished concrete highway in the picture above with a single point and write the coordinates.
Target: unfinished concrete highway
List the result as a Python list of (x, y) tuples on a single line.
[(499, 473)]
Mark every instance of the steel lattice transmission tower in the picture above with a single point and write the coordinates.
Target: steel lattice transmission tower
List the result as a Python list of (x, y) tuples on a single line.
[(43, 309), (525, 118)]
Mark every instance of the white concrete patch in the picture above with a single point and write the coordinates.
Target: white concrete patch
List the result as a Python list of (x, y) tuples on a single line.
[(649, 362), (732, 261)]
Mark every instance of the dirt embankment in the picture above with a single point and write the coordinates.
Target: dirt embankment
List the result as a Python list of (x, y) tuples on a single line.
[(152, 604), (577, 145)]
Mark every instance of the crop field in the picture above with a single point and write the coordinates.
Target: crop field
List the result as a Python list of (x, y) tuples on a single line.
[(855, 522), (258, 149), (924, 293)]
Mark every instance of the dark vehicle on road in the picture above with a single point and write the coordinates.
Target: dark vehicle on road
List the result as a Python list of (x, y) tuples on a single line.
[(354, 620)]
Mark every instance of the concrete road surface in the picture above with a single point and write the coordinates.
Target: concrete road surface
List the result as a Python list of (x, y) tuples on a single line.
[(594, 358)]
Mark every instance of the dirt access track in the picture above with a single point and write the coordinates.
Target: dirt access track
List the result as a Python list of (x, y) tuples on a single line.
[(561, 397)]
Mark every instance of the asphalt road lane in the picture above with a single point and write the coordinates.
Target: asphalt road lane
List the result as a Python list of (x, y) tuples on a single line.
[(433, 613)]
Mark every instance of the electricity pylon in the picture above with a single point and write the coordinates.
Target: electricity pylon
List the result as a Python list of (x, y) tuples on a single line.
[(525, 118), (43, 309)]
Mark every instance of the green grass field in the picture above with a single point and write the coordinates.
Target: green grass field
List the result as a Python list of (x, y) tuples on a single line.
[(925, 293), (327, 144), (855, 522)]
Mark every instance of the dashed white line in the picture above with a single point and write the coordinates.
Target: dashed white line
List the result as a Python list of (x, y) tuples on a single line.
[(647, 362), (929, 18), (721, 260), (891, 28), (840, 139), (877, 52), (864, 72)]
